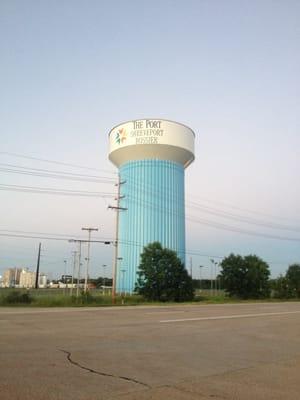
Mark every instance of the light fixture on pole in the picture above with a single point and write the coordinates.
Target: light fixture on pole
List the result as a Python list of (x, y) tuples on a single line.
[(80, 241), (218, 277), (79, 262), (104, 266), (123, 286), (114, 278), (73, 273), (65, 274), (200, 286), (213, 272), (88, 256)]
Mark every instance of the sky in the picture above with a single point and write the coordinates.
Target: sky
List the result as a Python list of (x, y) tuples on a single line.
[(71, 70)]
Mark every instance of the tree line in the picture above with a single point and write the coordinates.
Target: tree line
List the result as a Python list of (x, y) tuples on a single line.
[(162, 276)]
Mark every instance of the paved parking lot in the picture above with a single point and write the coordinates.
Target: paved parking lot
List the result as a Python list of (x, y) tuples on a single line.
[(240, 351)]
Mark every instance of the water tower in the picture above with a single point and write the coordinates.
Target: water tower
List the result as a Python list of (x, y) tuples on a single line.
[(151, 156)]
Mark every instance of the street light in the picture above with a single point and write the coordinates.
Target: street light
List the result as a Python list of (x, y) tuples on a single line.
[(73, 273), (90, 230), (79, 262), (65, 290), (218, 279), (213, 272), (80, 241), (211, 276), (104, 266), (200, 266), (123, 288)]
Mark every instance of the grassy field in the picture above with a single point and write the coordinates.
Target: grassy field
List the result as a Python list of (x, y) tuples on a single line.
[(63, 298), (59, 298), (96, 298)]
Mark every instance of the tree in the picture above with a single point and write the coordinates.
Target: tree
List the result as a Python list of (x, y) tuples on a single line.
[(281, 289), (162, 276), (293, 279), (245, 277)]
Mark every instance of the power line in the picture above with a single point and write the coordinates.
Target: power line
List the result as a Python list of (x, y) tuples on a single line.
[(46, 190), (131, 179), (243, 231), (151, 187), (241, 218), (212, 224), (55, 162), (30, 189), (124, 242), (223, 226), (163, 193), (31, 237), (236, 207), (195, 252), (55, 171), (210, 210), (66, 235), (24, 236), (55, 175)]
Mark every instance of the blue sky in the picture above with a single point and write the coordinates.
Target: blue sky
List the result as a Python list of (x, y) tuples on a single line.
[(71, 70)]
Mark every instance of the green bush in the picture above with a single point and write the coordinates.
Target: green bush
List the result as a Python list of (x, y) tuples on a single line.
[(56, 300), (162, 276), (17, 298), (86, 298)]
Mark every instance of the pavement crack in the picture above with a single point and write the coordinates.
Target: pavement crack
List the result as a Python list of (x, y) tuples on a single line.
[(193, 393), (197, 394), (93, 371)]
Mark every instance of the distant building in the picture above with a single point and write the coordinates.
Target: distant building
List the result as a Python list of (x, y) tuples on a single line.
[(42, 281), (92, 285), (27, 279), (11, 277)]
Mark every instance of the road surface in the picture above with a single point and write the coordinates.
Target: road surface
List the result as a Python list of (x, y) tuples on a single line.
[(186, 352)]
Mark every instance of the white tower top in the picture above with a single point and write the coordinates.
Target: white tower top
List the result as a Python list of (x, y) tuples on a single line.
[(158, 139)]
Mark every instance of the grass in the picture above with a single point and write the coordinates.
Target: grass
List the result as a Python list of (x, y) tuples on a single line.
[(49, 298), (57, 298)]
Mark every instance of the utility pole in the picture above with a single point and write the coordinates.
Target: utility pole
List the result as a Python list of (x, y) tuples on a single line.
[(214, 268), (115, 260), (38, 268), (80, 241), (191, 267), (79, 262), (104, 266), (79, 265), (218, 278), (74, 266), (211, 277), (88, 257), (123, 286), (65, 280), (200, 285)]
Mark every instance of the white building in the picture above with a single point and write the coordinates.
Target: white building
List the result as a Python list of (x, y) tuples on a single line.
[(42, 281), (27, 279), (11, 277)]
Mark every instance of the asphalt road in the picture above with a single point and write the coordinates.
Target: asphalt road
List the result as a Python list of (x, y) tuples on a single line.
[(241, 351)]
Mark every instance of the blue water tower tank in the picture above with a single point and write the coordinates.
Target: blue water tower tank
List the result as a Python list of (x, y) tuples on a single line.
[(151, 155)]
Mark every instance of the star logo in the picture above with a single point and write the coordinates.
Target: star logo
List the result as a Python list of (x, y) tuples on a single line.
[(121, 136)]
